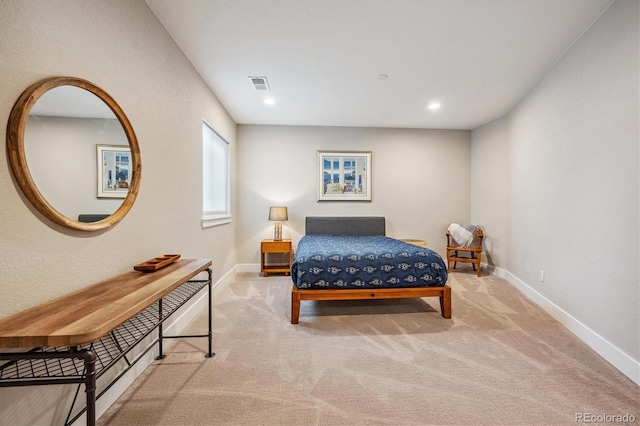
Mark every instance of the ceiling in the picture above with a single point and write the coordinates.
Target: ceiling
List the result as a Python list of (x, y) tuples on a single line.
[(324, 58), (71, 101)]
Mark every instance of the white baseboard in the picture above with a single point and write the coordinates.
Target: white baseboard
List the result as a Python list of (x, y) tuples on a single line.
[(620, 360), (493, 270), (248, 267)]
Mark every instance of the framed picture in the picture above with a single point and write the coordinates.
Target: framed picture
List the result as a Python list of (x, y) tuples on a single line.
[(344, 176), (114, 173)]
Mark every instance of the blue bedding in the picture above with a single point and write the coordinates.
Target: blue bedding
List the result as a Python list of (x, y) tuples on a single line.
[(331, 262)]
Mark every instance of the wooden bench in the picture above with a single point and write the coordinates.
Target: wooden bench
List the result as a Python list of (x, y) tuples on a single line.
[(78, 337)]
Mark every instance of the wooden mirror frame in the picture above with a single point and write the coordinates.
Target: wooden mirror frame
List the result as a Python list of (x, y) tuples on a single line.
[(18, 160)]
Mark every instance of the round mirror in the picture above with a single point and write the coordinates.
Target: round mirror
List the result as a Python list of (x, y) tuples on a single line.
[(74, 153)]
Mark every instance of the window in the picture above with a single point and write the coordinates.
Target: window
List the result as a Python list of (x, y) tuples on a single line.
[(215, 178)]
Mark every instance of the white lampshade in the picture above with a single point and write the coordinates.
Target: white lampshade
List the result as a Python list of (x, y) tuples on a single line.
[(278, 214)]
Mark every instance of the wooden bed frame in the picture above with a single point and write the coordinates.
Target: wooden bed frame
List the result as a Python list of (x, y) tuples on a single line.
[(368, 225)]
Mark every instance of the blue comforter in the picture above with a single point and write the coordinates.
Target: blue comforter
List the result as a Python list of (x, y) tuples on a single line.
[(330, 262)]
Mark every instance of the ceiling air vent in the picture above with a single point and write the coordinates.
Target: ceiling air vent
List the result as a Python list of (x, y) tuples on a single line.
[(260, 83)]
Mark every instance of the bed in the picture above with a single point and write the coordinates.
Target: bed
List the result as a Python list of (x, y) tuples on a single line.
[(350, 258)]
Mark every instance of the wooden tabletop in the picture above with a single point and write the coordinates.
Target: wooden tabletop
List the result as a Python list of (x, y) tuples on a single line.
[(89, 313)]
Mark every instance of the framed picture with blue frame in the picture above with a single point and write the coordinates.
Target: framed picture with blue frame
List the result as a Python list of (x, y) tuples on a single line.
[(344, 176)]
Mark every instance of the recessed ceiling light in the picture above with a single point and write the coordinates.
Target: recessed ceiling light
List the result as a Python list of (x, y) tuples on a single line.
[(434, 105), (269, 101)]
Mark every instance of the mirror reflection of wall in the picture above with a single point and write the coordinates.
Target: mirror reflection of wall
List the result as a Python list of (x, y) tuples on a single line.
[(60, 145), (53, 134)]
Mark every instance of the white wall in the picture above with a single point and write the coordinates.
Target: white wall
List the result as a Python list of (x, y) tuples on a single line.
[(120, 46), (489, 148), (573, 186), (61, 154), (420, 180)]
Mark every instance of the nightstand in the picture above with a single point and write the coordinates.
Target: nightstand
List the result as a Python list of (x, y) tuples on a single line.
[(273, 246)]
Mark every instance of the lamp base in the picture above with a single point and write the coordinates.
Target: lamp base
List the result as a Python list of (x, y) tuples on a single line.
[(277, 231)]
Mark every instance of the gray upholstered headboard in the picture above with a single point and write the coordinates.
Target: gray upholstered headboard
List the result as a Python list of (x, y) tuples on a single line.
[(345, 225)]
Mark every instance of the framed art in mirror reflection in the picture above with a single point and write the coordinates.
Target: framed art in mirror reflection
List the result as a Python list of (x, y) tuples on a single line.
[(114, 174)]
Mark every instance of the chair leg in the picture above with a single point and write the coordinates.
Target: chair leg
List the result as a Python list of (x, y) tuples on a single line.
[(475, 259)]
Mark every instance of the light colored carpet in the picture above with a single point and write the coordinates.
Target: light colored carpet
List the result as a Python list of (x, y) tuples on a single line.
[(500, 360)]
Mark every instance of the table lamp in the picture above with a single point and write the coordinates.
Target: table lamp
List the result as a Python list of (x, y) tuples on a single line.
[(279, 214)]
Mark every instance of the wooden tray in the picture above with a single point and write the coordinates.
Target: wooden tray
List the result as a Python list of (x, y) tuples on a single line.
[(156, 263)]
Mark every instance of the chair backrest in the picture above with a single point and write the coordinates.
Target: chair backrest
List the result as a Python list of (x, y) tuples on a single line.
[(479, 237), (477, 240)]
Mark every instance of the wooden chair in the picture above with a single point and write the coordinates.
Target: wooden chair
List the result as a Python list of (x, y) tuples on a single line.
[(474, 250)]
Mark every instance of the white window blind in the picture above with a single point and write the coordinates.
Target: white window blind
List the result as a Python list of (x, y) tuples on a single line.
[(215, 178)]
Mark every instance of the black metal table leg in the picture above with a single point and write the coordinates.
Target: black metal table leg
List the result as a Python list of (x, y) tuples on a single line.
[(210, 353), (161, 355), (89, 358)]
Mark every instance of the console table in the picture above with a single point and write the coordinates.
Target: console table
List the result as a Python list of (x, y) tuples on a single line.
[(78, 337)]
